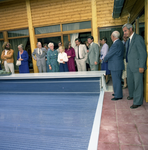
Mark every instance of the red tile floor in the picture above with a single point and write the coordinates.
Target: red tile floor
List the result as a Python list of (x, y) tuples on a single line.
[(123, 128)]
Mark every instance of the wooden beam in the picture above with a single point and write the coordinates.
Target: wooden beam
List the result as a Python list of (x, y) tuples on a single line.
[(69, 37), (137, 26), (146, 43), (5, 36), (94, 21), (31, 34)]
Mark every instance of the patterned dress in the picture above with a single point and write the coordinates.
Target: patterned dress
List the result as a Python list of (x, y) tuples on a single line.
[(52, 57)]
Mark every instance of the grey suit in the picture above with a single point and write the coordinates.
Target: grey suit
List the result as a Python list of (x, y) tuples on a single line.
[(93, 56), (136, 59), (41, 62)]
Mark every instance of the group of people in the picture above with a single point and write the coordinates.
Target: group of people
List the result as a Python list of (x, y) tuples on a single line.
[(63, 59), (129, 55), (124, 59)]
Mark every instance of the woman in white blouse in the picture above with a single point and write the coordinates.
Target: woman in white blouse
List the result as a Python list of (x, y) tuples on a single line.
[(63, 59)]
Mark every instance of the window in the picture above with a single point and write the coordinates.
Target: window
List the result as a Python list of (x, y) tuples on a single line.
[(49, 29), (18, 33), (54, 40), (1, 35), (77, 26), (142, 29), (106, 32), (1, 49)]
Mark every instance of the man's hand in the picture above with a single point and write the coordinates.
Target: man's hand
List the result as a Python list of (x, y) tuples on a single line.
[(95, 63), (141, 70), (87, 51), (35, 59), (61, 59), (100, 61), (63, 62)]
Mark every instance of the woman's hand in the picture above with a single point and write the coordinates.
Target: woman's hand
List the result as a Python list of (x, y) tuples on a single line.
[(20, 59), (50, 67), (61, 59), (68, 56)]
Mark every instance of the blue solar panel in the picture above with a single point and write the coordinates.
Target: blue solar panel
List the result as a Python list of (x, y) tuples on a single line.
[(47, 121)]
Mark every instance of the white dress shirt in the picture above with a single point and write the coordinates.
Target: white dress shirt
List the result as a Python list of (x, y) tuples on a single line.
[(62, 56), (39, 51), (131, 37), (116, 40), (104, 51), (6, 52)]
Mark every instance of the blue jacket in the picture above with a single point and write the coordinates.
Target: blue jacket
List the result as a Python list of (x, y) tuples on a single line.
[(115, 56)]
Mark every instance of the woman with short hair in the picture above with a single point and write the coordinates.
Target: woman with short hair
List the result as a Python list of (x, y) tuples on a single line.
[(104, 51), (52, 57), (23, 57)]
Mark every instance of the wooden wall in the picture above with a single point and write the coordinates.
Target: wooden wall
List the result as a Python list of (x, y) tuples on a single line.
[(104, 13), (13, 15), (45, 12)]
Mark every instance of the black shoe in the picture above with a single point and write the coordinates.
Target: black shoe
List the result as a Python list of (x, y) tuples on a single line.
[(129, 98), (115, 99), (113, 94), (135, 106)]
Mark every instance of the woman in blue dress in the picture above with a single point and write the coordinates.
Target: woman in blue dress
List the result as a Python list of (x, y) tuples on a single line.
[(23, 57), (104, 51), (52, 57)]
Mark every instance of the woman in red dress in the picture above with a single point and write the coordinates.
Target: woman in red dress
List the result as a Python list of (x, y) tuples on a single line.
[(71, 56)]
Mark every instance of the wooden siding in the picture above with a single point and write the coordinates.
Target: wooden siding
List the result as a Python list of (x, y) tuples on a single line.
[(104, 13), (13, 15), (59, 11)]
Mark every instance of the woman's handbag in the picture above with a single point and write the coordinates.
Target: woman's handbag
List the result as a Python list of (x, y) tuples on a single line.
[(18, 62)]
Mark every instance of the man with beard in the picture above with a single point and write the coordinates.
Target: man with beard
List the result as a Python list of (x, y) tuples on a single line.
[(7, 57)]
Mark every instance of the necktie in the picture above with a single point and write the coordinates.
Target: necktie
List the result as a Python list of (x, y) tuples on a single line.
[(128, 44), (40, 51), (78, 53)]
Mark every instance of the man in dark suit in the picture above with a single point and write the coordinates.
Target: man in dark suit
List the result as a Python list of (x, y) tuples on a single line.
[(116, 64), (136, 64)]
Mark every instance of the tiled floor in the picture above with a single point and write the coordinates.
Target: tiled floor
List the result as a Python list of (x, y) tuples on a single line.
[(123, 128)]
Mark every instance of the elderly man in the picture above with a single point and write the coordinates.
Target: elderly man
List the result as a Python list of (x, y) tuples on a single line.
[(116, 64), (136, 64), (93, 55), (40, 57), (81, 55), (7, 57)]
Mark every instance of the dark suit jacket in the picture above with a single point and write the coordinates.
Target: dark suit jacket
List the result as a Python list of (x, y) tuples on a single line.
[(137, 54), (115, 56)]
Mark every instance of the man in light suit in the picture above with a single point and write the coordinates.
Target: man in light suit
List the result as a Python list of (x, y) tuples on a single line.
[(116, 64), (40, 57), (93, 55), (136, 64), (81, 55)]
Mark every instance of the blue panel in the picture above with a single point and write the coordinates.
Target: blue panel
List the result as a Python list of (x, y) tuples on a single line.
[(49, 85), (46, 122)]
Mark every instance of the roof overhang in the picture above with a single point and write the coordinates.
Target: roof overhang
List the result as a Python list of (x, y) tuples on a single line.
[(118, 5)]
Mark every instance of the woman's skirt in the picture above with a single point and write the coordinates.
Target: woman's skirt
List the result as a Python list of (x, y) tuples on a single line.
[(104, 66)]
